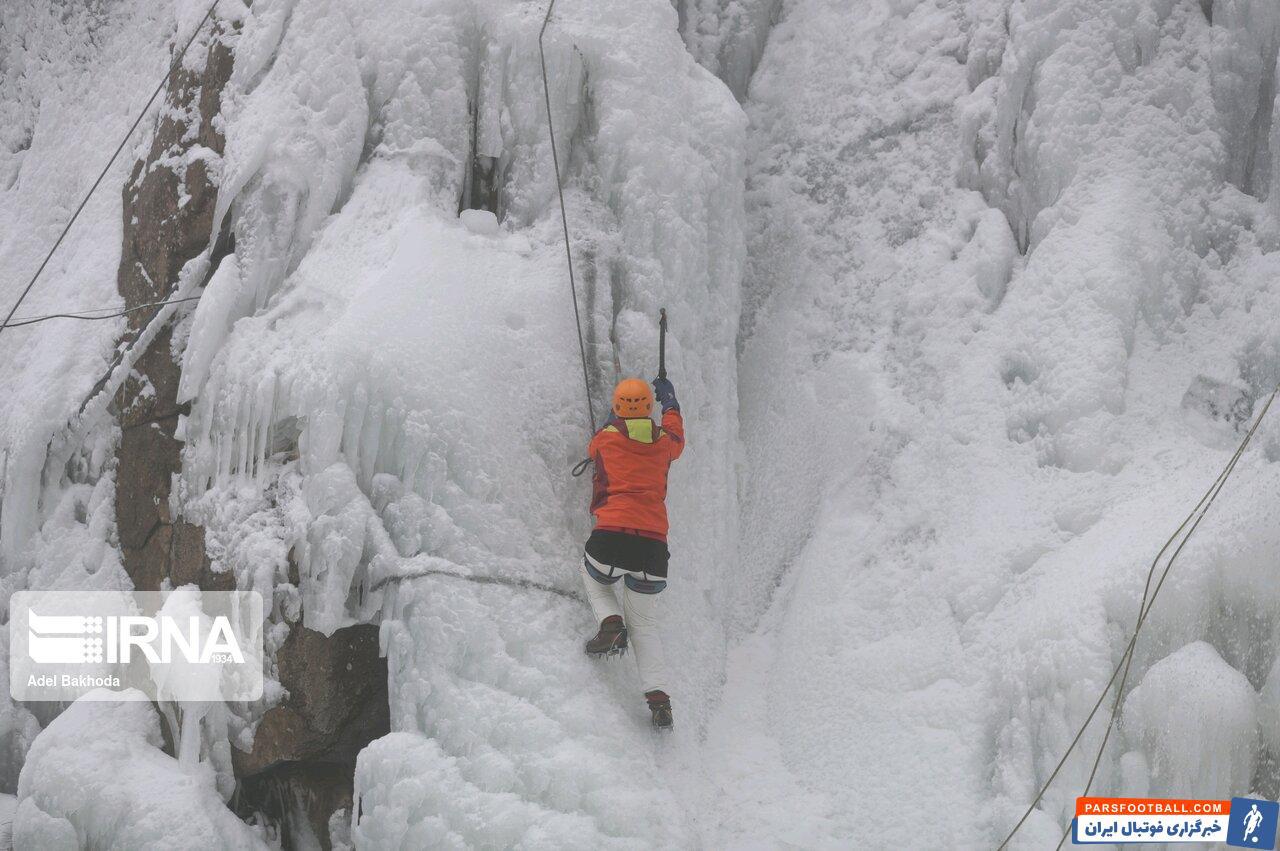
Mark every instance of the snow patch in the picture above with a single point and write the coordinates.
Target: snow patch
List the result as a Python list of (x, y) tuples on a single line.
[(1195, 719), (82, 788)]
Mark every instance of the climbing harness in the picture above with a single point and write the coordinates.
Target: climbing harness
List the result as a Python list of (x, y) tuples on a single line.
[(564, 220), (1190, 523), (173, 66)]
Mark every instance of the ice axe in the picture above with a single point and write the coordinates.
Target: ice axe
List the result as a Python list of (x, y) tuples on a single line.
[(581, 466), (662, 342)]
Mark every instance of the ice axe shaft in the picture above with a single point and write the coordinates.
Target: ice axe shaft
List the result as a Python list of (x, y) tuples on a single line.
[(662, 343)]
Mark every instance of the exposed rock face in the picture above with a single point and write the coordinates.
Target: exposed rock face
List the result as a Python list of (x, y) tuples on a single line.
[(304, 751), (168, 215), (337, 700), (300, 769), (312, 802)]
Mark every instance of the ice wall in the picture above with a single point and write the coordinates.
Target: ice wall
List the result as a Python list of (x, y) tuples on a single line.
[(69, 79), (398, 391), (1194, 720), (728, 38), (1146, 268), (84, 789), (868, 274), (1009, 305)]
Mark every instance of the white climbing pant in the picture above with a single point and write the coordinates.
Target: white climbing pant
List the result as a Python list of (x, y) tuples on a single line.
[(639, 611)]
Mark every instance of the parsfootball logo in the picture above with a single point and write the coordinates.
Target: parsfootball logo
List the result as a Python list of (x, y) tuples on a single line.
[(91, 639)]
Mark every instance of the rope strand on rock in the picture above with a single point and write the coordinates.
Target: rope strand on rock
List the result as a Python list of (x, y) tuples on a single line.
[(93, 314), (173, 66)]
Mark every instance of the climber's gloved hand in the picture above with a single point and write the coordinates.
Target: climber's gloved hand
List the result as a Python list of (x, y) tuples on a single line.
[(665, 393)]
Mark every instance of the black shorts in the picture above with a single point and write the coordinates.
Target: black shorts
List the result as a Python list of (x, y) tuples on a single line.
[(634, 553)]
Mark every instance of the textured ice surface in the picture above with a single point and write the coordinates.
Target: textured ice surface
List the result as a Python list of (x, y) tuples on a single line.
[(97, 778), (982, 392), (1196, 721), (402, 385), (999, 304), (513, 739), (69, 79)]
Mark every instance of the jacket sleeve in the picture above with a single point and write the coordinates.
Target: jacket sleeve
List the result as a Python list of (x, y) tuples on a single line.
[(673, 425)]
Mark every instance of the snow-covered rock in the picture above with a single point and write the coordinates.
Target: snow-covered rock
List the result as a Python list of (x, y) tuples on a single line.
[(481, 222), (97, 778), (1195, 718), (72, 79)]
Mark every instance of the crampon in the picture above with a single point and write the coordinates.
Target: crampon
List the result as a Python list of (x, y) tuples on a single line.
[(611, 640)]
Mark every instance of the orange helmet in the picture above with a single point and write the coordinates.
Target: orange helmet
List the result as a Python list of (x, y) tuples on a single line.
[(632, 398)]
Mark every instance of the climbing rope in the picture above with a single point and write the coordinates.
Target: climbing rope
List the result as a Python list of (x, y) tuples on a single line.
[(173, 66), (1192, 520), (564, 223), (93, 314), (482, 580)]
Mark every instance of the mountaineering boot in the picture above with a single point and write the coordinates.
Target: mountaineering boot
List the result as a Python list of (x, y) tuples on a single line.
[(611, 640), (660, 707)]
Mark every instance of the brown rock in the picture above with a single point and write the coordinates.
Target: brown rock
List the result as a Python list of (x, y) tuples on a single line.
[(304, 751), (301, 798), (162, 233), (337, 700)]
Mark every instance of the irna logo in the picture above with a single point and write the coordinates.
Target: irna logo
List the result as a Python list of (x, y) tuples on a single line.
[(162, 639), (184, 644)]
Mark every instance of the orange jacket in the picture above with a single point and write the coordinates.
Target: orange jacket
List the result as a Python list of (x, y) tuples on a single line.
[(632, 456)]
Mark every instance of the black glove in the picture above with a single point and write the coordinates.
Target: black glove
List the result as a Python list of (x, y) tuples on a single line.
[(665, 393)]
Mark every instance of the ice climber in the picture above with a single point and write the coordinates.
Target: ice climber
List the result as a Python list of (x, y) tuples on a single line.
[(632, 455)]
